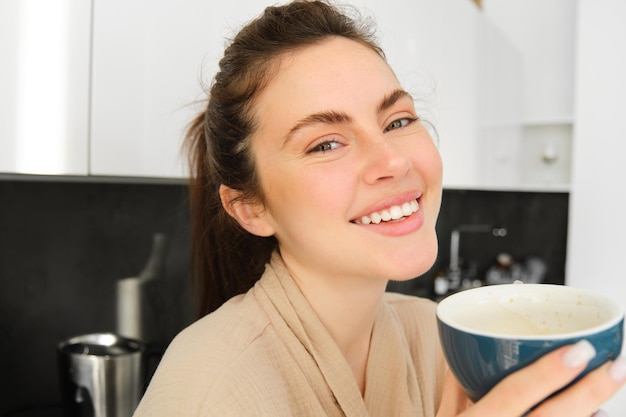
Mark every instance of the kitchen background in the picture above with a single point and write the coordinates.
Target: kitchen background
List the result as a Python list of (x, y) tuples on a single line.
[(530, 130), (64, 246)]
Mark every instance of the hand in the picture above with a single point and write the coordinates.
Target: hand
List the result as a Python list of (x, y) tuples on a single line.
[(522, 390)]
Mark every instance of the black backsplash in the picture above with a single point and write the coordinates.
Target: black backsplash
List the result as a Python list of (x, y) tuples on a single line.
[(63, 246)]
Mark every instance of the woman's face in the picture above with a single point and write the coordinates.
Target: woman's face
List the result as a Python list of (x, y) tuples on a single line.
[(338, 146)]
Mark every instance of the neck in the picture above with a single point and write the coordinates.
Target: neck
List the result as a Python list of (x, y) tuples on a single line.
[(347, 308), (348, 315)]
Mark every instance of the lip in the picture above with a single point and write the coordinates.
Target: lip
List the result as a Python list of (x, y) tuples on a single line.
[(397, 228), (397, 200)]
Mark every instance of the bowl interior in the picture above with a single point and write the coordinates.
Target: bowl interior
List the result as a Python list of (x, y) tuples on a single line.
[(532, 311)]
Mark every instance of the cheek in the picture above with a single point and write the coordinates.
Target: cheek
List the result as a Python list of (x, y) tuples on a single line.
[(428, 162), (308, 192), (327, 190)]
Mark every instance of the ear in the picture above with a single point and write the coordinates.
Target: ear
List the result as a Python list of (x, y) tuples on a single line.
[(252, 216)]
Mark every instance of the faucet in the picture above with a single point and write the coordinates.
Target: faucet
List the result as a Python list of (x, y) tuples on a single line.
[(454, 270)]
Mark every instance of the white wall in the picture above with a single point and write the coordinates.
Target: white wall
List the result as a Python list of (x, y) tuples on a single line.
[(596, 248)]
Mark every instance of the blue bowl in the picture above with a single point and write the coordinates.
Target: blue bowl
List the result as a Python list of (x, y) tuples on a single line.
[(490, 332)]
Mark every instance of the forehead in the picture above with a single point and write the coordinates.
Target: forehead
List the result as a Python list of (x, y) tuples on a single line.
[(335, 74)]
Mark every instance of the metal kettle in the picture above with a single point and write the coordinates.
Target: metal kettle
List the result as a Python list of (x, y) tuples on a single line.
[(101, 375)]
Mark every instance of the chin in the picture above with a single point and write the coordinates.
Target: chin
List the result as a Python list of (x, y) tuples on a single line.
[(410, 271), (414, 263), (410, 274)]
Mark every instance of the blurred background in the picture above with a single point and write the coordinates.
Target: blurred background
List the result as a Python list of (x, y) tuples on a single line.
[(94, 100)]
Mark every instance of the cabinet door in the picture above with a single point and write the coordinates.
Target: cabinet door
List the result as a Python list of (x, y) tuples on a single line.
[(44, 86), (150, 60)]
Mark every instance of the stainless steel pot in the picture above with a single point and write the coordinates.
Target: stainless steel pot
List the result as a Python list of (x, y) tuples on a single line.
[(101, 375)]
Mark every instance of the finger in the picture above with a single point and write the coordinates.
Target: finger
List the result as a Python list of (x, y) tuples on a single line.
[(588, 394), (522, 390), (453, 398)]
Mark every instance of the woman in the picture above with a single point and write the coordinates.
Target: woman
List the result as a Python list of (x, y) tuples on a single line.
[(315, 183)]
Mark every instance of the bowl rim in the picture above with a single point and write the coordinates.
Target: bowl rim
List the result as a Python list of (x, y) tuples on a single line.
[(503, 289)]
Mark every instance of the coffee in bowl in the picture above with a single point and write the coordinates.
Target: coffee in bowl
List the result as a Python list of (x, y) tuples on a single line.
[(490, 332)]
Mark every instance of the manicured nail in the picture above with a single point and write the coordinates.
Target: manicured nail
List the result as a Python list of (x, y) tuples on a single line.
[(579, 354), (617, 370)]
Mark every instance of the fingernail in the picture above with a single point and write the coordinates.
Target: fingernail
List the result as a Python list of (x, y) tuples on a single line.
[(617, 370), (600, 413), (579, 354)]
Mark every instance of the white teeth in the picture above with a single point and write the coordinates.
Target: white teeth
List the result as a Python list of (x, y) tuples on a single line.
[(392, 213), (396, 212), (406, 209)]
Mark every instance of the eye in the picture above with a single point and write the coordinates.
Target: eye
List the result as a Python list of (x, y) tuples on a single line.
[(397, 124), (325, 146)]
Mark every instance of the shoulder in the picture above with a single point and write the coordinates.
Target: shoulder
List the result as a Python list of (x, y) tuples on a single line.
[(225, 332), (222, 339), (223, 354)]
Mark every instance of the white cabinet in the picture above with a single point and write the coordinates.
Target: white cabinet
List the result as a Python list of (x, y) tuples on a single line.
[(544, 33), (44, 86), (499, 98), (149, 60)]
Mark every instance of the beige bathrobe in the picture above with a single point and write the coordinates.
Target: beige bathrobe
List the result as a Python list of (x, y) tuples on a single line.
[(266, 353)]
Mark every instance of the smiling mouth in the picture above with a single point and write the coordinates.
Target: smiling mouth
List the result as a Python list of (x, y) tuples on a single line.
[(393, 213)]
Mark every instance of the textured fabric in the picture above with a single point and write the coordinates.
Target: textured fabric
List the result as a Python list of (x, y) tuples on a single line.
[(266, 353)]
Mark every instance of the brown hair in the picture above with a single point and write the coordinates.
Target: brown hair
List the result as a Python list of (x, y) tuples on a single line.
[(227, 260)]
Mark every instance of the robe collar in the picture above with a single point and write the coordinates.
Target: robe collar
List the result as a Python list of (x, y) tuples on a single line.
[(392, 387)]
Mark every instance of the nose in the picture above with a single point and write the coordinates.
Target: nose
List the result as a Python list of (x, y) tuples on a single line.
[(384, 160)]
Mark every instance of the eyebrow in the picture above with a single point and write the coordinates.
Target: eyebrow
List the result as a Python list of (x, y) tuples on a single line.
[(392, 98), (335, 117)]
